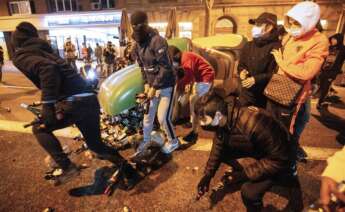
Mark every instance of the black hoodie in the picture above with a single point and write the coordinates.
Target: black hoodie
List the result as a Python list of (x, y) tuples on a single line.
[(50, 73), (154, 61), (336, 57)]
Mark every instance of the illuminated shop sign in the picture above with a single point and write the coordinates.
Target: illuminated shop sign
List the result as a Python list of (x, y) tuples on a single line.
[(75, 20)]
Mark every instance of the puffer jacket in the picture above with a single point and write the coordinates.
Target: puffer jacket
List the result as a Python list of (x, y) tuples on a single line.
[(49, 72), (274, 151)]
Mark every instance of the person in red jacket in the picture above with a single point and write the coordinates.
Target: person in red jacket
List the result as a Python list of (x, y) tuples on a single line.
[(194, 75)]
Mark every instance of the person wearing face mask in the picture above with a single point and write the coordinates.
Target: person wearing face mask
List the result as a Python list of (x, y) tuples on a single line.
[(256, 64), (195, 76), (301, 57), (332, 66), (64, 90), (243, 132), (151, 53)]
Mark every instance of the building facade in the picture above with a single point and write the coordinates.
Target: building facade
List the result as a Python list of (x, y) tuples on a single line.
[(92, 21)]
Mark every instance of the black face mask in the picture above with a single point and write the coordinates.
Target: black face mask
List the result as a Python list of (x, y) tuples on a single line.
[(140, 33)]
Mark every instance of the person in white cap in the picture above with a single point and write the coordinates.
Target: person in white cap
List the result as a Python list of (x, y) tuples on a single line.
[(301, 57)]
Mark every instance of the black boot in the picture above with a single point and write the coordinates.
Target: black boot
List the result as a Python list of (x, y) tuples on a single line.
[(130, 176), (192, 137)]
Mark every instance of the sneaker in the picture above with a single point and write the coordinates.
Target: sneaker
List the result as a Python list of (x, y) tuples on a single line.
[(66, 175), (192, 137), (170, 146)]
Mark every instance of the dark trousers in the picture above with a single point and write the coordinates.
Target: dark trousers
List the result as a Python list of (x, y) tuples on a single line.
[(326, 78), (252, 192), (84, 113)]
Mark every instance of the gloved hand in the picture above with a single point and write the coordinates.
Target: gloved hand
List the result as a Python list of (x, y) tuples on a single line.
[(48, 115), (151, 93), (243, 74), (249, 82), (204, 185), (146, 88)]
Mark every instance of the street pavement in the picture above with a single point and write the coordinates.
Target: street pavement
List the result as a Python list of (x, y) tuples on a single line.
[(171, 188)]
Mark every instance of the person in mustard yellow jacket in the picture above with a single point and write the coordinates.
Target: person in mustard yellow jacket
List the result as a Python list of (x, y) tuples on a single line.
[(301, 57)]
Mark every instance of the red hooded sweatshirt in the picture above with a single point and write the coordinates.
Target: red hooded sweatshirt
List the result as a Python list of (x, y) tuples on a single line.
[(196, 68)]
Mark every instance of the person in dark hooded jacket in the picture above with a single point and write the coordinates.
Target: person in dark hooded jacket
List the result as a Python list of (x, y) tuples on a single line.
[(151, 53), (65, 91), (243, 132), (256, 64), (332, 65)]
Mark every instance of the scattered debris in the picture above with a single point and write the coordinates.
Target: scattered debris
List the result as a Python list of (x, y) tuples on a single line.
[(49, 209), (126, 209)]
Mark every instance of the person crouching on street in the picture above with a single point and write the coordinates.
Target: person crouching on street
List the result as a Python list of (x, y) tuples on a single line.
[(151, 53), (243, 132), (64, 90), (196, 73)]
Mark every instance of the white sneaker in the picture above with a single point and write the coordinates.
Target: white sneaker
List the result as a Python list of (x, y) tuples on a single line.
[(170, 146)]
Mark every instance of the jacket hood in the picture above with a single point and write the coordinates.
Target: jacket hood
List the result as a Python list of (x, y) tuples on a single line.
[(34, 44), (307, 13), (339, 37)]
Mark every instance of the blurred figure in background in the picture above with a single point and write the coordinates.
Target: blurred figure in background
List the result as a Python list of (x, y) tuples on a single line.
[(89, 53), (70, 53), (109, 54), (84, 52), (332, 66), (98, 54)]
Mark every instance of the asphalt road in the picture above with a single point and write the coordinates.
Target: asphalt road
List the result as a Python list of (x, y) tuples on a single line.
[(171, 188)]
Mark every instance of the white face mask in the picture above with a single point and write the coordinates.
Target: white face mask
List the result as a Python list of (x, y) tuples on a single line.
[(257, 31), (295, 32)]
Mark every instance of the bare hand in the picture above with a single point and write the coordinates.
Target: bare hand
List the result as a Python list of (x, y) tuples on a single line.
[(328, 186), (248, 83), (278, 55)]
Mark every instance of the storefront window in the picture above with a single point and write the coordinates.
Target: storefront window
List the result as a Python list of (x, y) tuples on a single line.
[(19, 7)]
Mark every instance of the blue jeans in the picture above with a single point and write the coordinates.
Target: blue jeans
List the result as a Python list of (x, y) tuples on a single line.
[(302, 119)]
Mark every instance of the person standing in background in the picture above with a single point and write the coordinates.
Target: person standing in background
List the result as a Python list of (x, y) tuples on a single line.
[(332, 66), (70, 53), (109, 54), (98, 54)]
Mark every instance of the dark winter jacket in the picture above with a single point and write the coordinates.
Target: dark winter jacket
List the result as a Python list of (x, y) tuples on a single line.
[(257, 59), (155, 64), (50, 73), (334, 61), (270, 140)]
